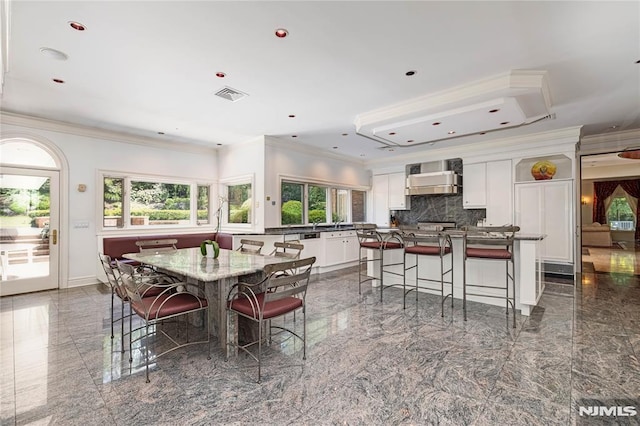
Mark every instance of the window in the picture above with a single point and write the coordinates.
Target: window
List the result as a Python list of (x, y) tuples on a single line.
[(155, 203), (239, 197), (620, 216), (112, 202), (291, 202), (143, 201), (203, 205), (304, 203)]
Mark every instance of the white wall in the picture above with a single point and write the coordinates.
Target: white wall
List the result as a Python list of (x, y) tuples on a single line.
[(241, 160), (286, 160), (88, 154)]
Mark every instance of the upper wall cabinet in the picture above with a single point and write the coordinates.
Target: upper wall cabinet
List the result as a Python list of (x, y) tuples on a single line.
[(388, 194), (474, 186)]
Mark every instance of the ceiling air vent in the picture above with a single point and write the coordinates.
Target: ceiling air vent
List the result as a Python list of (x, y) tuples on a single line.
[(230, 94)]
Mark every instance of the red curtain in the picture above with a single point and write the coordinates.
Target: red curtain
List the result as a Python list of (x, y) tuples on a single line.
[(632, 187), (601, 191)]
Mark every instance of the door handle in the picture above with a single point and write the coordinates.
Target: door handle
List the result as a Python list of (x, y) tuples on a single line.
[(54, 237)]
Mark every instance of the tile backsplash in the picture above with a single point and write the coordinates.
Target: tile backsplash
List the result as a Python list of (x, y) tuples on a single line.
[(439, 207)]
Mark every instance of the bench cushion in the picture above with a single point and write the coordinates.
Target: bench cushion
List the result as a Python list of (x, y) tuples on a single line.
[(117, 246)]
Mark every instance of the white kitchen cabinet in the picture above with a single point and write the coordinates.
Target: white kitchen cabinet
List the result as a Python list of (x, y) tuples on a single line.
[(313, 247), (547, 208), (474, 186), (388, 194), (499, 183), (340, 247)]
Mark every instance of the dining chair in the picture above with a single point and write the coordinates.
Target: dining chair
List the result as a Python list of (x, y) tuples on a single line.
[(172, 301), (275, 296), (290, 250), (157, 246), (250, 246)]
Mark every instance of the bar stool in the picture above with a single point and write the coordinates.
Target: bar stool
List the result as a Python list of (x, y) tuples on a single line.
[(494, 243), (370, 239), (426, 243)]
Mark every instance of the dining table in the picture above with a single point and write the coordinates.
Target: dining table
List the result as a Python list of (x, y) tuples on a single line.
[(215, 277)]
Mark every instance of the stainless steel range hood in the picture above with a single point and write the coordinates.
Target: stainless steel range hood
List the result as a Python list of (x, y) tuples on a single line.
[(434, 178)]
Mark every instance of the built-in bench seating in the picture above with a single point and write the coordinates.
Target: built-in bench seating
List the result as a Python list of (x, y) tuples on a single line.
[(115, 247)]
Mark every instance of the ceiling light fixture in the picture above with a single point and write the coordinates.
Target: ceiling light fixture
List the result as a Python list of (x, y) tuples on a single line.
[(220, 75), (451, 132), (392, 133), (504, 123), (57, 80), (335, 147), (494, 110), (410, 73), (219, 144), (281, 33), (77, 26), (345, 134), (410, 141), (292, 116), (161, 133), (437, 123), (294, 136), (53, 54)]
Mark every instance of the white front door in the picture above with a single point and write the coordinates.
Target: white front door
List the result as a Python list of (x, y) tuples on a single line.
[(29, 224)]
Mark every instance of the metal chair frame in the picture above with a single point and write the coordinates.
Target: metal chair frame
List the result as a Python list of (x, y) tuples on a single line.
[(250, 246), (499, 239), (150, 309), (279, 290), (114, 281), (437, 244), (280, 249), (370, 239)]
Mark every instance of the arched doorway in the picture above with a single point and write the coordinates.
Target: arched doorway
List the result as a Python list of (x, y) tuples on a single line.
[(29, 217)]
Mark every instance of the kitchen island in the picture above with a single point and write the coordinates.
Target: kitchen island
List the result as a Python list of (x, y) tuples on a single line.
[(529, 284)]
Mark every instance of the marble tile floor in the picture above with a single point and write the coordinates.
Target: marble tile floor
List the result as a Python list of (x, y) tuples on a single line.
[(367, 363)]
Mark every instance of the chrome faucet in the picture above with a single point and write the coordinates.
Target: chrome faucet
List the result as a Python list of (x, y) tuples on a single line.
[(316, 223), (338, 222)]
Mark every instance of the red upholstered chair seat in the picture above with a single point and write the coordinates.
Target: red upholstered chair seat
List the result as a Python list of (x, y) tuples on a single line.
[(426, 250), (377, 244), (166, 305), (488, 253), (271, 309)]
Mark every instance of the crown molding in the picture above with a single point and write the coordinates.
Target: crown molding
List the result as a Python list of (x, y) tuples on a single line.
[(310, 150), (562, 140), (609, 142), (10, 118)]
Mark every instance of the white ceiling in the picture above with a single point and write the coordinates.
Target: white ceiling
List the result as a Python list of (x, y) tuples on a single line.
[(147, 67)]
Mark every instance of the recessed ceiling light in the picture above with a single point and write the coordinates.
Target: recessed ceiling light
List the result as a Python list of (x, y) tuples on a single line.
[(53, 53), (482, 133), (638, 61), (410, 141), (451, 132), (613, 127), (294, 136), (345, 134), (219, 144), (57, 80), (410, 73), (504, 122), (220, 75), (77, 26), (391, 150), (335, 147), (436, 123), (392, 133), (494, 110), (281, 33), (292, 116), (161, 133)]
